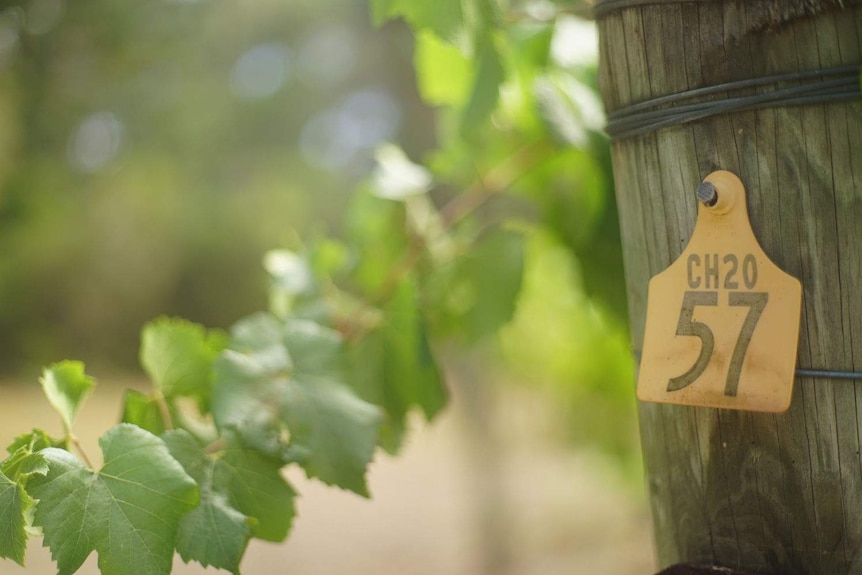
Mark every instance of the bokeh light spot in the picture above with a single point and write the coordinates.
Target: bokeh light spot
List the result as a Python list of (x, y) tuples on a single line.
[(42, 16), (339, 136), (261, 72), (9, 25), (95, 143), (575, 42)]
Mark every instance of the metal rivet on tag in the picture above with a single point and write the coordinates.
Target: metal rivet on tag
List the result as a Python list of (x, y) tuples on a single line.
[(706, 194)]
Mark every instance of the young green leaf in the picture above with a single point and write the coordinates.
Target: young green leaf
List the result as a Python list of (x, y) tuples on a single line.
[(66, 386), (22, 464), (332, 432), (178, 357), (444, 17), (486, 87), (128, 511), (144, 411), (443, 72), (34, 441), (214, 533)]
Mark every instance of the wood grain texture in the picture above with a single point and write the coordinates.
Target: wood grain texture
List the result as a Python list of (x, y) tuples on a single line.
[(756, 492)]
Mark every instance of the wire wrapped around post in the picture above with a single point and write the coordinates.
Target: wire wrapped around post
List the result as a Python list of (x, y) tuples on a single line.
[(791, 89)]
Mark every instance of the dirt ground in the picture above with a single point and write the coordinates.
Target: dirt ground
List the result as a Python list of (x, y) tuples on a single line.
[(544, 508)]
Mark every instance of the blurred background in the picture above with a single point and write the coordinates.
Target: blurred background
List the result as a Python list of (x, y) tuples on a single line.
[(152, 153)]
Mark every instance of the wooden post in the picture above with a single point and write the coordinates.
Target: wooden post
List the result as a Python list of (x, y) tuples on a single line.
[(756, 492)]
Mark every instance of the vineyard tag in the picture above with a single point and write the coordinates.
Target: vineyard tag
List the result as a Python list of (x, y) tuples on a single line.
[(722, 323)]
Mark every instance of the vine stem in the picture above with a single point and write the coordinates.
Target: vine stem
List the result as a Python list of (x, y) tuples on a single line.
[(497, 180), (77, 443), (493, 182), (220, 444), (164, 409)]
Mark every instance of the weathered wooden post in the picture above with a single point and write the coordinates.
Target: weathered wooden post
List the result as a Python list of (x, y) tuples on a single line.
[(773, 493)]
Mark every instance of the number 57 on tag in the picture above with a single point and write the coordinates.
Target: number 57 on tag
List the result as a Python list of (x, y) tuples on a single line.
[(722, 323)]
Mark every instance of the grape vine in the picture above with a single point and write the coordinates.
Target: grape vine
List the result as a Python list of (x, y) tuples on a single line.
[(195, 465)]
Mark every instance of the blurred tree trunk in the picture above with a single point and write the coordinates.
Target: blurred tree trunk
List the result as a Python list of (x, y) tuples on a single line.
[(760, 492), (483, 455)]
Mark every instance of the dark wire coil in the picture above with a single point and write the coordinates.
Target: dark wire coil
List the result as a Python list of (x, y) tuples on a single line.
[(808, 87), (604, 7)]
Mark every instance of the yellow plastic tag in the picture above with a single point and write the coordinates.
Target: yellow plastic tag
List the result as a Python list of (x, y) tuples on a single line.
[(722, 321)]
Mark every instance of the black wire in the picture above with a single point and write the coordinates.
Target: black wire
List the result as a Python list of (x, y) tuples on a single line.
[(604, 7), (828, 374), (820, 86), (811, 373)]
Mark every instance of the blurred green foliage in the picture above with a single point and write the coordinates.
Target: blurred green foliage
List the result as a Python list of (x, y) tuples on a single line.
[(523, 255), (151, 155)]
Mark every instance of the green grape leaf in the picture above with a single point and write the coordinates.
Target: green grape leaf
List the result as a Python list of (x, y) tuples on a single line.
[(574, 195), (530, 42), (489, 13), (393, 367), (485, 92), (494, 271), (329, 258), (443, 72), (15, 502), (178, 355), (143, 410), (481, 287), (246, 400), (444, 17), (367, 358), (376, 230), (214, 533), (66, 386), (327, 421), (254, 486), (128, 511), (332, 433), (22, 464), (260, 337), (409, 353)]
